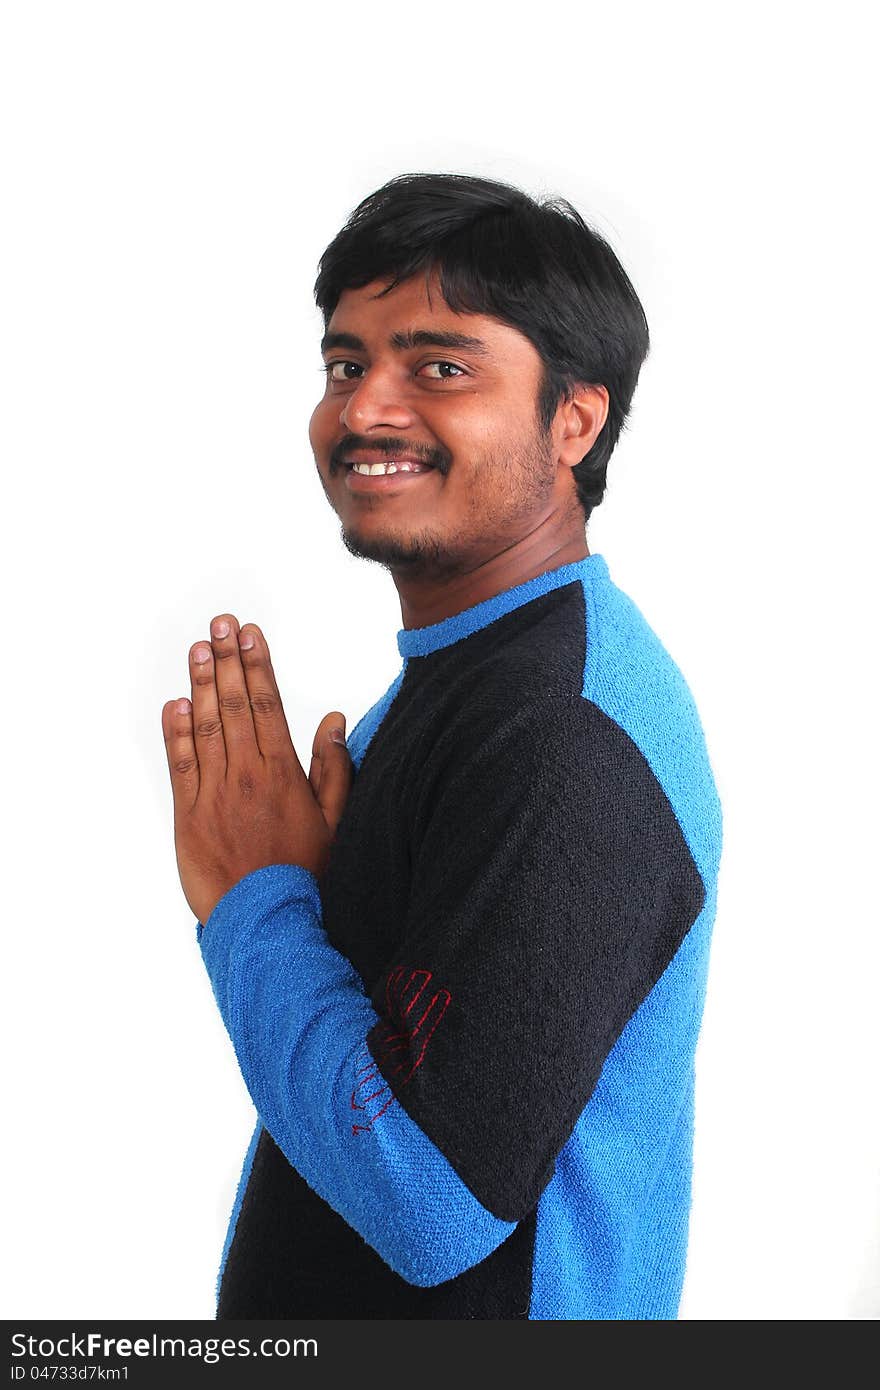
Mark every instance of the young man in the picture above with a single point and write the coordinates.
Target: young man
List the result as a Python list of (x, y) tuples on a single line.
[(462, 963)]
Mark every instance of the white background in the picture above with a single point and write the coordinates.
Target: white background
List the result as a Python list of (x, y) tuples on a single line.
[(171, 173)]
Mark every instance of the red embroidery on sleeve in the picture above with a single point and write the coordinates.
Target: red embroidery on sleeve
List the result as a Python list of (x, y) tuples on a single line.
[(401, 1041)]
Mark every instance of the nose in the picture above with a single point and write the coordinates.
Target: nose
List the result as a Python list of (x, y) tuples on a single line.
[(376, 402)]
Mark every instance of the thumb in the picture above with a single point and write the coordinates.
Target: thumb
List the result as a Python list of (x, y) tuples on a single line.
[(332, 771)]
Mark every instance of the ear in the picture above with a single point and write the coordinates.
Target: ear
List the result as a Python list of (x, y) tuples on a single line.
[(579, 422)]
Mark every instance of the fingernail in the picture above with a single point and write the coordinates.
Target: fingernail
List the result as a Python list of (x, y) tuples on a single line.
[(245, 641), (220, 628), (337, 735), (201, 654), (183, 706)]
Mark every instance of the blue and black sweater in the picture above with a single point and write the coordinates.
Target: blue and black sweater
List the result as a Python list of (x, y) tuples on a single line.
[(471, 1044)]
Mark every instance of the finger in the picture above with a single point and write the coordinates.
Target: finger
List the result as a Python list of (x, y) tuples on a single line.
[(320, 746), (336, 771), (316, 767), (232, 692), (430, 1016), (207, 725), (267, 711), (183, 763), (403, 989)]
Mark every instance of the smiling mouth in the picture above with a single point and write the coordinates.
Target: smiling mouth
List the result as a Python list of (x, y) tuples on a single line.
[(384, 470), (395, 477), (386, 458)]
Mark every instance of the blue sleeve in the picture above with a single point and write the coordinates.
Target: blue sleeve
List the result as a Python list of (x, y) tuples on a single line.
[(298, 1017)]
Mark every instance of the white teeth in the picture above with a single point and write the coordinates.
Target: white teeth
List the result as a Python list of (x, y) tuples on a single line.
[(371, 470)]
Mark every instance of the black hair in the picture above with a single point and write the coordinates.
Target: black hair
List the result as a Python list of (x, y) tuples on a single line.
[(536, 266)]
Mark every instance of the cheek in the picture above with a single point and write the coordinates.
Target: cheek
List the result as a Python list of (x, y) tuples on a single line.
[(318, 426), (490, 426)]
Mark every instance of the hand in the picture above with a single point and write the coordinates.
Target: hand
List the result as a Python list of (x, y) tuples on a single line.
[(412, 1012), (241, 798)]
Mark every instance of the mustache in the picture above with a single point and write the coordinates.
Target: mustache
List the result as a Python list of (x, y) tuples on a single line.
[(392, 447)]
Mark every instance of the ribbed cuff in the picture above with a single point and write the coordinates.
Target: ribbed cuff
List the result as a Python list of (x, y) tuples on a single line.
[(253, 896)]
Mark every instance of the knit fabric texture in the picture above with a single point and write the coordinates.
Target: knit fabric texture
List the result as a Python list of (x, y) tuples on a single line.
[(471, 1045)]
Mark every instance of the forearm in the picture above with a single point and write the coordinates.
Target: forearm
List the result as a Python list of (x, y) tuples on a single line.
[(298, 1018)]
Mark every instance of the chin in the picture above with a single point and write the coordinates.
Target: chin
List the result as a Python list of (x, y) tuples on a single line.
[(410, 553)]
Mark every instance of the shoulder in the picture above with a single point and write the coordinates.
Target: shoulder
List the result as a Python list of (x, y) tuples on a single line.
[(631, 677), (537, 648), (361, 735)]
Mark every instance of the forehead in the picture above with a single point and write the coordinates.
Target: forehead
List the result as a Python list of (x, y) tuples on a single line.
[(414, 310)]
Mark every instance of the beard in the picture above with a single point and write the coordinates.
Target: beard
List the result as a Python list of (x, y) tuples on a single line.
[(524, 480), (415, 555)]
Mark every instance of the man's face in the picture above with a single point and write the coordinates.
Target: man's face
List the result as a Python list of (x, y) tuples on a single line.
[(453, 395)]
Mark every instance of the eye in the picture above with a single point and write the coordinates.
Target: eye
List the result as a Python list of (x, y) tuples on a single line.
[(441, 371), (343, 371)]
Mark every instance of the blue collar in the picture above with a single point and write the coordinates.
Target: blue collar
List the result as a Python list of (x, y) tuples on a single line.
[(421, 641)]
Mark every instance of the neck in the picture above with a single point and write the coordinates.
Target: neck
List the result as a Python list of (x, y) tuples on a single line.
[(427, 599)]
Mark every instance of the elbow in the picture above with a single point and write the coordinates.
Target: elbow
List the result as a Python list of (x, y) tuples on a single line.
[(429, 1232), (428, 1259)]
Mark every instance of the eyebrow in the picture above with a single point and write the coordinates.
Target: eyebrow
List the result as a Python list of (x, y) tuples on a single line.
[(413, 338)]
